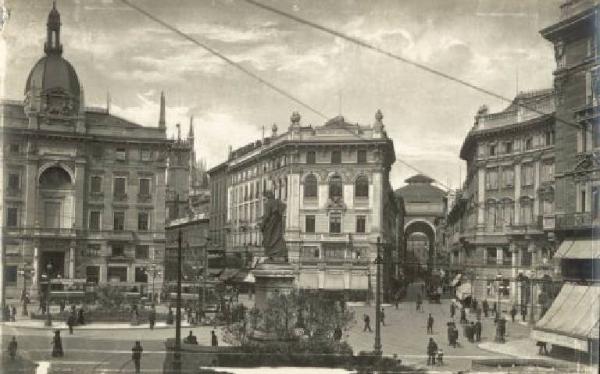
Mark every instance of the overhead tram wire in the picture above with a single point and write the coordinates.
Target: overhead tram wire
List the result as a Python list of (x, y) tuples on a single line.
[(397, 57), (248, 72), (272, 86)]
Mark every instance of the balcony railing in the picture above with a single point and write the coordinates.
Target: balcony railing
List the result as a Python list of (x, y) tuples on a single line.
[(580, 220), (42, 231)]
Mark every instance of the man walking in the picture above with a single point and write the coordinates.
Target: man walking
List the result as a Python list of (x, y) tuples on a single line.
[(367, 320), (524, 312), (430, 324), (152, 317), (12, 348), (452, 309), (71, 322), (513, 313), (213, 339), (478, 331), (419, 301), (431, 352), (382, 316), (136, 355), (463, 315), (486, 307)]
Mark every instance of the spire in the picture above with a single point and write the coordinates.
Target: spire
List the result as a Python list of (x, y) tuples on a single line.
[(161, 116), (191, 132), (52, 45)]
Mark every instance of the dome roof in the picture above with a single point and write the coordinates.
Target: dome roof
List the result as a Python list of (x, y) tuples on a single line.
[(52, 72), (419, 189)]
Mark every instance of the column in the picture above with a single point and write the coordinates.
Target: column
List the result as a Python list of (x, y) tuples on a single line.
[(71, 263), (517, 193), (30, 212), (514, 289), (77, 222), (532, 286), (36, 267), (481, 199), (536, 186)]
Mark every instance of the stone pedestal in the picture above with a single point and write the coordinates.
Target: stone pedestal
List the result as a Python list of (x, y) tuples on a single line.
[(270, 279)]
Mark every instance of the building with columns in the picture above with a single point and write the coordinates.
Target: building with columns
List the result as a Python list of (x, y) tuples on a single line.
[(499, 231), (334, 179), (83, 190)]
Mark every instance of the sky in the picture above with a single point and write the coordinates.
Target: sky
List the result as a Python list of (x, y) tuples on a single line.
[(493, 44)]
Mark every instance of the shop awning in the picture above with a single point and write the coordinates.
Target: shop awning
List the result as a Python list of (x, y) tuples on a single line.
[(456, 280), (243, 276), (572, 318), (228, 274), (464, 290), (578, 249)]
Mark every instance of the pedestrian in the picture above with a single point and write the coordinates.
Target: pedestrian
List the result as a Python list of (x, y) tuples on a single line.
[(486, 308), (191, 339), (452, 309), (170, 316), (478, 331), (419, 301), (463, 315), (25, 312), (455, 336), (57, 349), (440, 357), (382, 316), (524, 312), (397, 299), (12, 348), (513, 312), (450, 333), (80, 316), (432, 349), (474, 304), (213, 339), (495, 309), (367, 320), (430, 324), (61, 305), (136, 355), (337, 334), (542, 346), (152, 317), (13, 314), (71, 323)]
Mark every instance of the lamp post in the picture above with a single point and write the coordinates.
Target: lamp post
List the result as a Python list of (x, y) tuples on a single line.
[(26, 271), (378, 262), (499, 336), (49, 270), (153, 272)]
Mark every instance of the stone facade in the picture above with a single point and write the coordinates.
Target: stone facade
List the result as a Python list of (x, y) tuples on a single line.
[(499, 230), (335, 181)]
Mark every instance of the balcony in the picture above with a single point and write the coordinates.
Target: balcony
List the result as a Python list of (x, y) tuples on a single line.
[(574, 221), (51, 232), (548, 222), (120, 197), (144, 198)]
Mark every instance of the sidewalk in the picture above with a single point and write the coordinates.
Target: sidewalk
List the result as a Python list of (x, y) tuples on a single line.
[(39, 324)]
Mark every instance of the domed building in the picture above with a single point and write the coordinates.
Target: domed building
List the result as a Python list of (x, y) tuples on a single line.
[(84, 192)]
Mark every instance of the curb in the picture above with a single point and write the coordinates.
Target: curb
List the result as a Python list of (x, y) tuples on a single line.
[(91, 327)]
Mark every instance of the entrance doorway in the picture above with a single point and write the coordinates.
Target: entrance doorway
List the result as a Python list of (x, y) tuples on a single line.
[(52, 263)]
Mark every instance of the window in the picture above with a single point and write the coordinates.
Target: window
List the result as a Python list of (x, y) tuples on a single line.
[(117, 274), (491, 214), (310, 252), (547, 171), (145, 154), (492, 150), (142, 252), (361, 224), (118, 250), (335, 187), (491, 179), (309, 222), (96, 184), (140, 275), (508, 177), (492, 256), (549, 137), (92, 274), (10, 274), (143, 221), (527, 174), (508, 211), (93, 250), (361, 156), (596, 134), (336, 157), (361, 187), (121, 154), (582, 199), (12, 217), (310, 186), (311, 157), (119, 187), (508, 147), (335, 224), (13, 148), (528, 144), (119, 221), (13, 181), (334, 251), (94, 223), (506, 257), (526, 258), (144, 186), (526, 212)]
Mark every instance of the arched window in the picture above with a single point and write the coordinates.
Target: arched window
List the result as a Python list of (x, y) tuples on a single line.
[(491, 214), (526, 211), (335, 187), (55, 178), (361, 186), (310, 186), (509, 211)]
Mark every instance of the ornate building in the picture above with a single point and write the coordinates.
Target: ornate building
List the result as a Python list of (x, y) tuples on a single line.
[(335, 181), (499, 229), (83, 190)]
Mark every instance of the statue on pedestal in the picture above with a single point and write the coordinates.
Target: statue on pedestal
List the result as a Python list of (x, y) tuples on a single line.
[(272, 229)]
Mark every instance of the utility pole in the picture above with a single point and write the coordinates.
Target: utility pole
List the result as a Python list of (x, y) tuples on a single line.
[(177, 356), (378, 262)]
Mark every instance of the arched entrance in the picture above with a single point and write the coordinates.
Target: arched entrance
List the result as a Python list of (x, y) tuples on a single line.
[(420, 236)]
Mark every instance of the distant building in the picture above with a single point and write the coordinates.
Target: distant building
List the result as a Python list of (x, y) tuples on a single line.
[(335, 181), (499, 231), (573, 319), (83, 190)]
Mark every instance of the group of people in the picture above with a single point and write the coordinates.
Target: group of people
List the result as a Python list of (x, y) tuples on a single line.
[(75, 317), (9, 313), (192, 339), (367, 320)]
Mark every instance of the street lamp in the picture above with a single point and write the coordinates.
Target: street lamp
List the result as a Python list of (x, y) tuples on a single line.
[(26, 271), (152, 271), (378, 262), (46, 283)]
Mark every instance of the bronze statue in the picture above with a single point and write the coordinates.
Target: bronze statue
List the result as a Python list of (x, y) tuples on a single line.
[(272, 229)]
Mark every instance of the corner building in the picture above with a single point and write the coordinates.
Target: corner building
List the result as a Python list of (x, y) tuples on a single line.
[(83, 190), (334, 179)]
